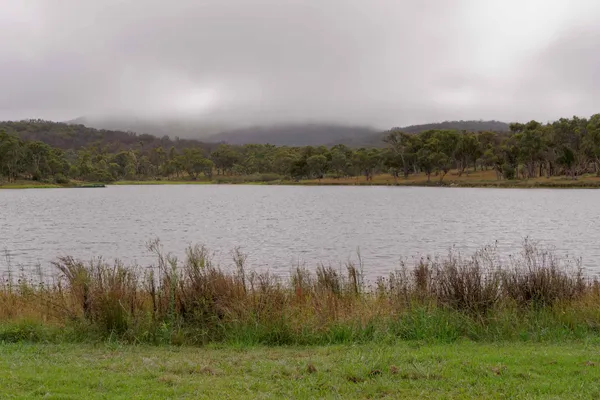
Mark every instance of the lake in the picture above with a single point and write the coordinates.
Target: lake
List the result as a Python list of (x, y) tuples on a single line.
[(282, 226)]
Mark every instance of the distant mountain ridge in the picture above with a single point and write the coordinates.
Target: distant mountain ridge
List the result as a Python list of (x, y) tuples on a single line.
[(292, 134), (376, 140), (329, 134), (469, 126), (77, 136), (306, 134), (184, 128)]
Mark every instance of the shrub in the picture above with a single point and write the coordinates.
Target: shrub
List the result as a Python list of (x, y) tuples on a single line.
[(538, 278), (466, 285), (508, 171), (61, 179)]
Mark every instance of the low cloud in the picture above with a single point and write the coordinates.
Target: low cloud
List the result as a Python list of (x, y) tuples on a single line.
[(378, 62)]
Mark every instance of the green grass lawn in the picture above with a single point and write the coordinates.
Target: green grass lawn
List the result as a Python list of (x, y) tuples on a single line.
[(408, 370)]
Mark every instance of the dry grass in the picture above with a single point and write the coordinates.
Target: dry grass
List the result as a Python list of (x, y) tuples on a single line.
[(534, 295), (473, 179), (479, 178)]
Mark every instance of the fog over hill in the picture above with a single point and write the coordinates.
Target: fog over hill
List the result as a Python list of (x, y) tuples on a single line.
[(233, 131), (295, 134), (330, 134), (183, 127), (288, 134)]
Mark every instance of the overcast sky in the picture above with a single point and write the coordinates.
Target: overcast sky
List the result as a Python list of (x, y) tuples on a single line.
[(375, 62)]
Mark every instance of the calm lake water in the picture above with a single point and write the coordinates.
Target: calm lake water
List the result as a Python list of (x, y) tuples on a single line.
[(281, 226)]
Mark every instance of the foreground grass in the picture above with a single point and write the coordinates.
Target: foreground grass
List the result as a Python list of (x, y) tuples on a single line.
[(448, 327), (409, 370)]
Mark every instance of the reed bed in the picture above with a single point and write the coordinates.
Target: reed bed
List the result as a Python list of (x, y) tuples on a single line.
[(533, 296)]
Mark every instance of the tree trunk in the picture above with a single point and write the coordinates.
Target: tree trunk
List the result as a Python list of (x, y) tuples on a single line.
[(531, 170), (442, 175)]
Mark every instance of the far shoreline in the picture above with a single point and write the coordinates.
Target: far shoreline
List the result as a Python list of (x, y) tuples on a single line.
[(477, 180)]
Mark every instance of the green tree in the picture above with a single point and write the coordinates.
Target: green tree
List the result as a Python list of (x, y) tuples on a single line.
[(426, 161), (224, 158), (467, 152), (283, 161), (11, 156), (591, 142), (403, 147), (366, 161), (339, 162), (317, 165), (195, 163), (567, 160)]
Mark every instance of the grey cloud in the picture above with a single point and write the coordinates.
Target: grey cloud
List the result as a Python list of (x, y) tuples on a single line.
[(377, 62), (563, 77)]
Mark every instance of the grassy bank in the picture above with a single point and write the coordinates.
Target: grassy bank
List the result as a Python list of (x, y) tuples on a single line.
[(162, 182), (408, 370), (30, 185), (534, 297), (45, 185), (474, 179), (452, 179)]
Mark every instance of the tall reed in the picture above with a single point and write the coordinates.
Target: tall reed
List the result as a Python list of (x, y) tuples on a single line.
[(534, 295)]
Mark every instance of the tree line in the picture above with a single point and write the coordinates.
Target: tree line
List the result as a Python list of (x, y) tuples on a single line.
[(567, 147)]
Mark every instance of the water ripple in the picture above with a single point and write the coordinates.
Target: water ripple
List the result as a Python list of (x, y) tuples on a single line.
[(283, 226)]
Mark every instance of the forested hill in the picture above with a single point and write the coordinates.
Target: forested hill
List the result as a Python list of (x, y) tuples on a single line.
[(376, 140), (469, 126), (301, 134), (181, 127), (329, 135), (76, 136), (567, 147), (234, 132), (67, 136)]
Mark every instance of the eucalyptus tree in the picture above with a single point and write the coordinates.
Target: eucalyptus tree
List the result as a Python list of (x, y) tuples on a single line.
[(591, 142), (12, 157)]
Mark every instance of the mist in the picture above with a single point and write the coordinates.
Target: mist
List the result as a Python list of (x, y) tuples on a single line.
[(378, 63)]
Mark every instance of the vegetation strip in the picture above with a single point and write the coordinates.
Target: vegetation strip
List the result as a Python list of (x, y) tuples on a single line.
[(565, 153), (533, 297)]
